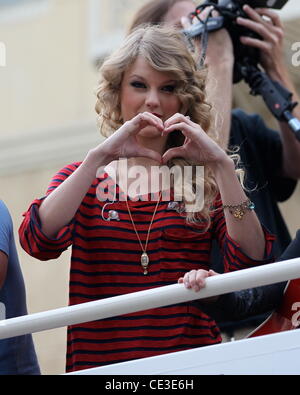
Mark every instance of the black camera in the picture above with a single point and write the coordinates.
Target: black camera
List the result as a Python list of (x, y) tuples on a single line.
[(246, 59), (229, 11)]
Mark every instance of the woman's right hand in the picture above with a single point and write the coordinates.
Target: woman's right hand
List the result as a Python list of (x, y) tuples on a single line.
[(196, 279), (124, 144), (61, 205)]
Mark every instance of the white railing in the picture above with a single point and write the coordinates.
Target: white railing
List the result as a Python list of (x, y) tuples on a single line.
[(143, 300)]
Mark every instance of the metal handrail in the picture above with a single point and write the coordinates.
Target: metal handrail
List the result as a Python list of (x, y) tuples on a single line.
[(148, 299)]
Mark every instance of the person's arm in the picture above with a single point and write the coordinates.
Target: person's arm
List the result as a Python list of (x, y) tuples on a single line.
[(199, 148), (236, 306), (272, 60), (247, 232), (3, 267), (60, 206), (219, 60), (219, 87)]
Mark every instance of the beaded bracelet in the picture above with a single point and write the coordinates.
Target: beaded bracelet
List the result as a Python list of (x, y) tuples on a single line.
[(239, 210)]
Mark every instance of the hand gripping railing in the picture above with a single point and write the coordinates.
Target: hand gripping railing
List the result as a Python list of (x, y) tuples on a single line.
[(152, 298)]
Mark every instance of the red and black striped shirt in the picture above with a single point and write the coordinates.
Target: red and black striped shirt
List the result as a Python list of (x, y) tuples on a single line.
[(105, 262)]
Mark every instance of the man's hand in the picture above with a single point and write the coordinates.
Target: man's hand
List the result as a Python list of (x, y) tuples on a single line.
[(219, 48), (267, 25)]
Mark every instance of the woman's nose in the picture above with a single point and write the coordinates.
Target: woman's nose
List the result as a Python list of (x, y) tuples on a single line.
[(152, 99)]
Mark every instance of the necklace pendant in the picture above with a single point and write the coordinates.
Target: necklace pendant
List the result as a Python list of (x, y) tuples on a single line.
[(145, 262)]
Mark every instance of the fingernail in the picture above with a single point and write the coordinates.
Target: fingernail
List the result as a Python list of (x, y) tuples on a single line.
[(184, 21)]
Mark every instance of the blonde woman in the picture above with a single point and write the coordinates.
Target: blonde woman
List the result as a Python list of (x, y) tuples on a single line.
[(270, 173), (152, 108)]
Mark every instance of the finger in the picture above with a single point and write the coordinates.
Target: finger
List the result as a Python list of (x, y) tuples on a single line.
[(152, 116), (193, 280), (215, 13), (252, 13), (201, 278), (196, 279), (158, 122), (205, 13), (262, 29), (273, 22), (186, 280), (178, 117), (259, 26), (212, 273), (190, 280), (177, 152), (256, 43), (185, 22), (186, 140), (274, 17), (256, 16), (141, 120)]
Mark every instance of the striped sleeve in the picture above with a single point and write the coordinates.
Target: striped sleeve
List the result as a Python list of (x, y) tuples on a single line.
[(32, 239), (233, 256)]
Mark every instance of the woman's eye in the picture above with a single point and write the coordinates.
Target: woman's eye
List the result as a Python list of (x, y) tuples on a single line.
[(137, 84), (169, 88)]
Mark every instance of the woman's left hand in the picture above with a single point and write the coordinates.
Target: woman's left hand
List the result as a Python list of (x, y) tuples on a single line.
[(198, 147)]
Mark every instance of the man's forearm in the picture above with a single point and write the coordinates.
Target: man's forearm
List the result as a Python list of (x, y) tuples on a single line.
[(219, 95)]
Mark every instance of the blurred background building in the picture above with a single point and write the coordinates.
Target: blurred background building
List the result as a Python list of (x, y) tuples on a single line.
[(48, 71)]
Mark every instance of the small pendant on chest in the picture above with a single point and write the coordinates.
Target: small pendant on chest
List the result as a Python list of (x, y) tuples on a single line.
[(145, 262)]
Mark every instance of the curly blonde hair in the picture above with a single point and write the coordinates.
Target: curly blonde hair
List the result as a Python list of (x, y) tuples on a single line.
[(165, 50)]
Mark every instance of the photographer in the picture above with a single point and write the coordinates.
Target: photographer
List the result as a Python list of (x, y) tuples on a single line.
[(271, 160)]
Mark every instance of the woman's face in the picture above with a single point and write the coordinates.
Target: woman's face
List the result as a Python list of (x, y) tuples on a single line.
[(146, 89), (179, 9)]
